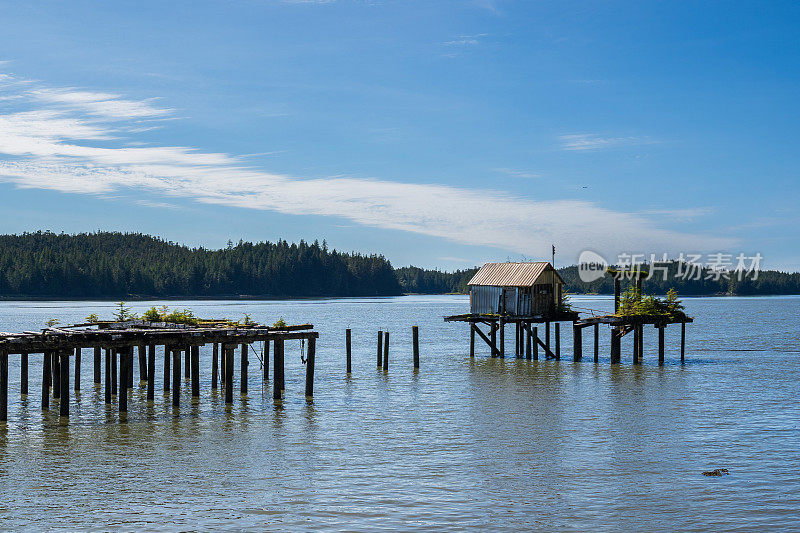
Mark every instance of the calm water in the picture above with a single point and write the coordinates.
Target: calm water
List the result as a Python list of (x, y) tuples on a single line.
[(484, 443)]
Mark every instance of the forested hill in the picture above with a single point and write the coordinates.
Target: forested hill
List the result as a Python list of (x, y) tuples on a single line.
[(122, 265)]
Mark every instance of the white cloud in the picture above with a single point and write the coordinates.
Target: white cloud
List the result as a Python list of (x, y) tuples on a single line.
[(592, 141), (51, 147), (517, 173)]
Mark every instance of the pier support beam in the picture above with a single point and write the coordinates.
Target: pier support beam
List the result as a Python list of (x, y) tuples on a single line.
[(577, 343), (243, 368), (114, 373), (310, 358), (266, 360), (277, 378), (63, 403), (616, 344), (493, 336), (472, 327), (528, 341), (597, 343), (151, 372), (661, 345), (125, 364), (547, 339), (187, 363), (215, 365), (380, 349), (56, 374), (176, 377), (415, 345), (502, 338), (3, 386), (23, 374), (167, 355), (97, 357), (228, 351), (348, 352), (46, 370), (558, 341), (683, 341), (107, 391), (195, 371), (535, 343), (142, 363), (385, 351), (77, 369)]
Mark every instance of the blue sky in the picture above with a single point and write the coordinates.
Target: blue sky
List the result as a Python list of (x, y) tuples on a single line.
[(441, 134)]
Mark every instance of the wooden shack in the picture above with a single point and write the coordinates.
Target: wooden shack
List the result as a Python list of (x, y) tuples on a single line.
[(516, 289)]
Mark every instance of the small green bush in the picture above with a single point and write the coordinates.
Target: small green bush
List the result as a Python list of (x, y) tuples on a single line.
[(280, 323)]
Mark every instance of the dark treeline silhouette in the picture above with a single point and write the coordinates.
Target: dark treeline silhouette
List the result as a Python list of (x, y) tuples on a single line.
[(421, 281), (104, 265)]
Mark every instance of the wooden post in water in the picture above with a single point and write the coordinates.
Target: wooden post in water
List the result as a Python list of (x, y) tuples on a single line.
[(23, 374), (348, 351), (597, 343), (380, 349), (310, 358), (107, 391), (125, 362), (415, 344), (222, 366), (472, 327), (151, 372), (517, 351), (187, 369), (616, 348), (502, 338), (97, 356), (228, 350), (214, 365), (661, 345), (494, 327), (277, 378), (114, 372), (385, 351), (635, 344), (535, 343), (142, 363), (683, 341), (195, 371), (266, 360), (3, 386), (243, 369), (77, 369), (547, 338), (528, 341), (167, 355), (176, 376), (63, 403), (56, 374), (558, 340), (641, 344), (577, 343), (46, 381)]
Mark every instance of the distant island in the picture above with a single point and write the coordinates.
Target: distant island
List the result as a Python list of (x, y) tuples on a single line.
[(107, 265)]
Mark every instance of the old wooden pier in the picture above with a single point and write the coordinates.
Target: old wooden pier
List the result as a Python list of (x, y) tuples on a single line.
[(113, 345)]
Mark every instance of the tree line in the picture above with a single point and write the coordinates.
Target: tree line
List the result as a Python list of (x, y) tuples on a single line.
[(133, 265)]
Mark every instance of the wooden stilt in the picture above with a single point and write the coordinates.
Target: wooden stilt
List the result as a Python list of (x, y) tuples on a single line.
[(616, 348), (228, 350), (472, 327), (114, 372), (243, 368), (215, 364), (46, 371), (635, 344), (597, 343), (107, 391), (415, 344), (547, 337), (3, 386), (489, 341), (661, 345), (683, 342), (151, 372), (535, 339), (502, 338), (494, 327), (125, 361), (385, 350), (56, 374), (641, 344), (23, 374), (528, 341), (380, 349), (222, 366), (63, 403), (266, 360), (187, 363), (558, 341), (195, 371), (142, 363), (277, 378), (310, 358), (577, 343), (176, 377), (348, 351), (77, 369), (167, 356), (517, 333), (97, 356)]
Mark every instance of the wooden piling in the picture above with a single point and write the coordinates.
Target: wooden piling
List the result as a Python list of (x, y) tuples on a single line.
[(577, 343), (151, 372), (23, 374), (125, 362), (56, 374), (472, 327), (63, 403), (176, 376), (310, 358), (616, 347), (641, 343), (3, 386), (46, 370), (636, 344), (348, 351), (415, 344), (558, 341), (278, 379), (535, 343), (187, 369), (107, 391), (77, 369), (517, 342), (661, 345), (528, 341), (683, 341), (228, 350), (243, 368), (385, 351), (597, 343), (142, 363), (380, 349), (215, 364), (266, 360), (494, 328), (97, 357), (502, 338), (196, 371), (547, 337), (167, 355), (114, 372), (222, 366)]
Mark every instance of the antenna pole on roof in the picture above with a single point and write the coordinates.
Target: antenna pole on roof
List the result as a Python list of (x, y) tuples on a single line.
[(554, 256)]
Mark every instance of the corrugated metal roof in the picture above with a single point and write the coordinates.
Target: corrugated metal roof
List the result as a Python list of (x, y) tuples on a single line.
[(510, 274)]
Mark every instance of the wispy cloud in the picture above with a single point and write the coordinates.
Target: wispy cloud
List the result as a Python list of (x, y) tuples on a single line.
[(687, 214), (158, 205), (466, 40), (51, 145), (517, 173), (593, 141)]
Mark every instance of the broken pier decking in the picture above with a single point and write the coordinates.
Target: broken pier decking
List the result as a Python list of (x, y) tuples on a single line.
[(119, 340)]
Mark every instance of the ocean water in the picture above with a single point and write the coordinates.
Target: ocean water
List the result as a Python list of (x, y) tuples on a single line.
[(499, 444)]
